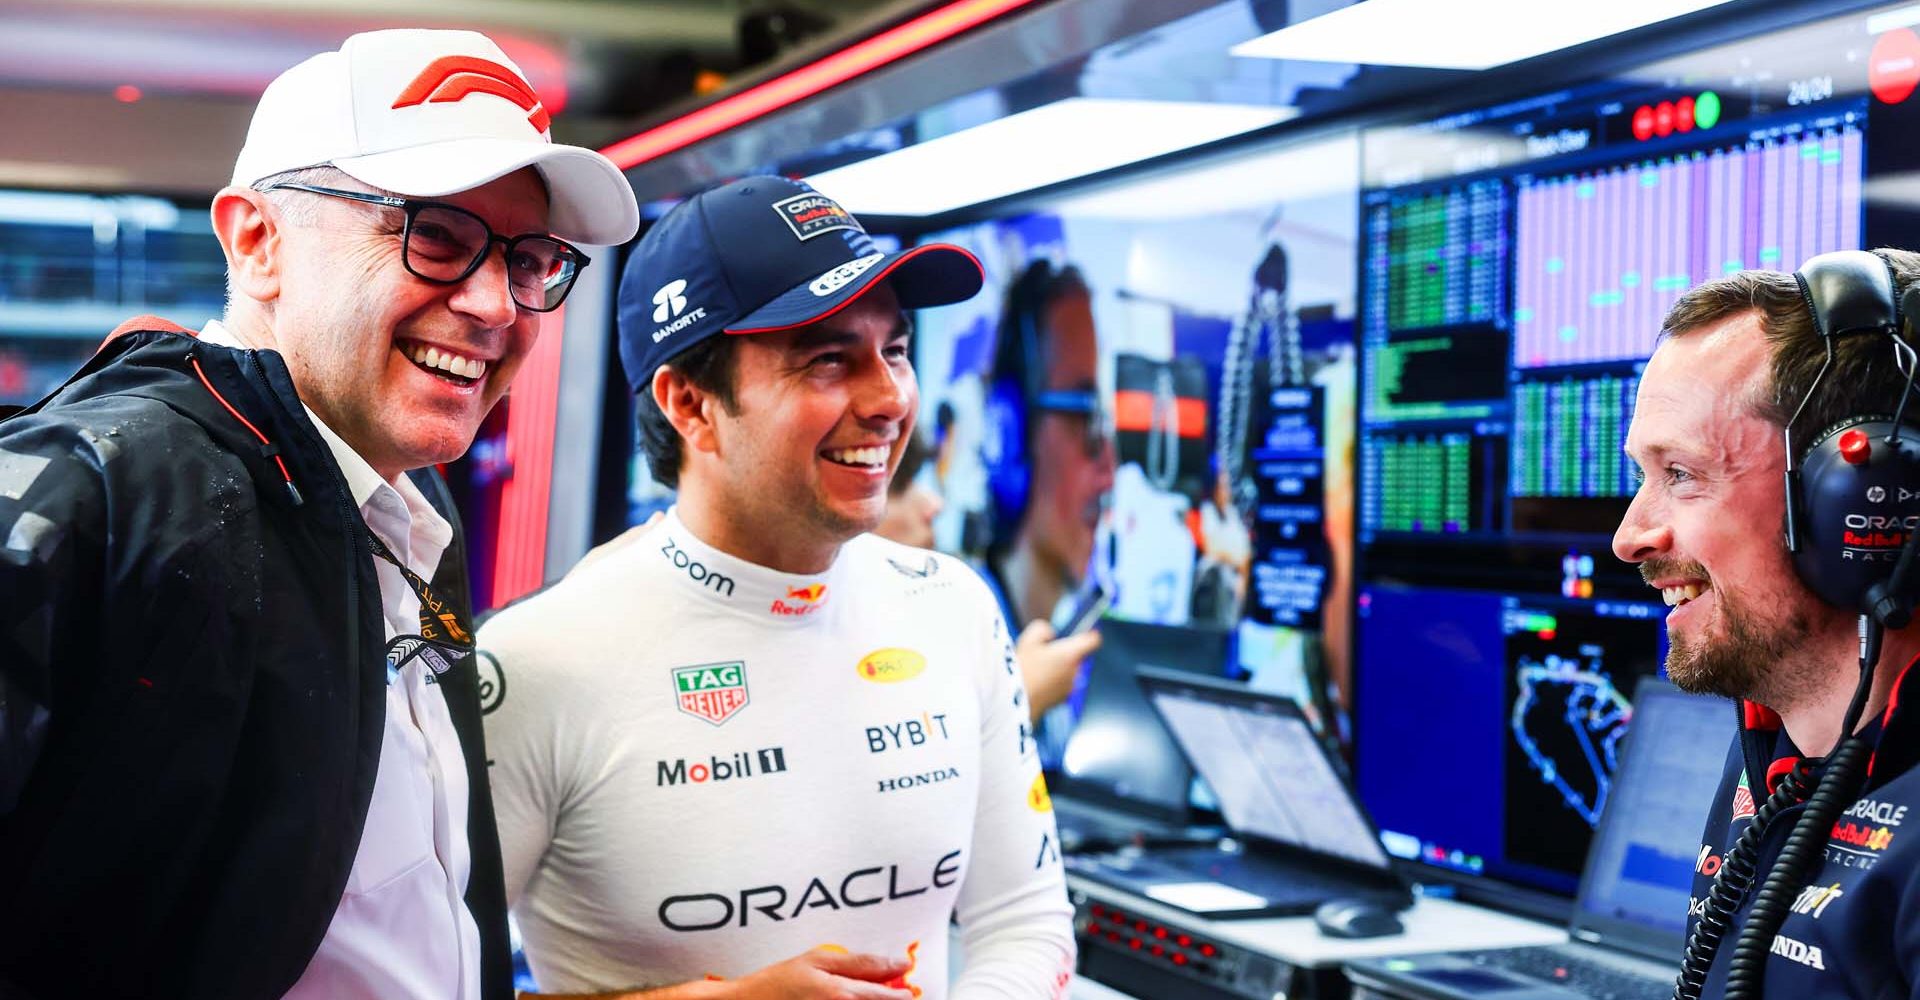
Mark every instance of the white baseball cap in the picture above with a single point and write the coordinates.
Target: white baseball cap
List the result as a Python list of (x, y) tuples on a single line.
[(429, 113)]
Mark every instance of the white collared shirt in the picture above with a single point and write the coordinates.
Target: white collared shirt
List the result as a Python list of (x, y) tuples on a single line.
[(402, 929)]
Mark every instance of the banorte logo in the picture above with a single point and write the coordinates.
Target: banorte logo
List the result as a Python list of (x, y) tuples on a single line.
[(804, 601), (891, 665), (450, 79)]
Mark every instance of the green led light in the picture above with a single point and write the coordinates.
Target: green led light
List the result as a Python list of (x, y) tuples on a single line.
[(1706, 109)]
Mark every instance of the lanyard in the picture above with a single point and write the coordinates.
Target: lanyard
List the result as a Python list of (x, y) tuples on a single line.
[(439, 622)]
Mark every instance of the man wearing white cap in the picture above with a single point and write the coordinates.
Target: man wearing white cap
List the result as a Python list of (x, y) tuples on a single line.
[(239, 727)]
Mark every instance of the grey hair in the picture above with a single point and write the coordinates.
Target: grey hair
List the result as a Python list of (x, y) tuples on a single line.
[(295, 207)]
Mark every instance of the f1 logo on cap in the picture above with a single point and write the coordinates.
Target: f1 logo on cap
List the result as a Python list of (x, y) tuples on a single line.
[(455, 78), (669, 300)]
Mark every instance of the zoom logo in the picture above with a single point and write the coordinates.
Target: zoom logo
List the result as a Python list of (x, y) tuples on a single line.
[(719, 583)]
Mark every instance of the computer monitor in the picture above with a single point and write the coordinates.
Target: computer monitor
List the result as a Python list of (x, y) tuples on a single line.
[(1119, 752), (1639, 874), (1518, 258), (1274, 778), (1490, 725)]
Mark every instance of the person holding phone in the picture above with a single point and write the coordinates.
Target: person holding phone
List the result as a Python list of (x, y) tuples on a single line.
[(1049, 660)]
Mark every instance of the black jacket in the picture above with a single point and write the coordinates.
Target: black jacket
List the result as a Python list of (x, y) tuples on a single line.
[(1854, 931), (192, 683)]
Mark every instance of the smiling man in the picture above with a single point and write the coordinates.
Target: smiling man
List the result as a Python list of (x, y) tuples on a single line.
[(774, 755), (239, 726), (1738, 357)]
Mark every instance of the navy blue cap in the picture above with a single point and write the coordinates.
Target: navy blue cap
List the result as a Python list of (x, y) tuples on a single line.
[(762, 254)]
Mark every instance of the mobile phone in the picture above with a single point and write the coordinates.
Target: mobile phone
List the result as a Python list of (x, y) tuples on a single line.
[(1089, 603)]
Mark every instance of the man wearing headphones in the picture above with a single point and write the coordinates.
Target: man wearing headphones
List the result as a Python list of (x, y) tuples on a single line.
[(776, 755), (1056, 456), (1792, 898)]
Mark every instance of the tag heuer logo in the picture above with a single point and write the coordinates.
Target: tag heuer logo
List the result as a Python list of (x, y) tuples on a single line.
[(711, 691)]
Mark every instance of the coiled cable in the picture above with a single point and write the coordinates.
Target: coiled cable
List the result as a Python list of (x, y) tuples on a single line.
[(1805, 848), (1731, 884)]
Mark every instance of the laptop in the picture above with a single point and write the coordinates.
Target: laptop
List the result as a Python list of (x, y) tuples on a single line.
[(1120, 778), (1630, 918), (1302, 838)]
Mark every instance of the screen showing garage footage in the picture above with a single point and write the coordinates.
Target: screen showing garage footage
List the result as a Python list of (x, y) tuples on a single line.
[(1157, 389)]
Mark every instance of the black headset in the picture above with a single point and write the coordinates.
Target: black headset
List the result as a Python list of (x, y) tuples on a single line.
[(1853, 501), (1853, 493)]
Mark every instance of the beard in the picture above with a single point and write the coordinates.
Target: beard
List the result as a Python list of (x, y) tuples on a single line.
[(1750, 657)]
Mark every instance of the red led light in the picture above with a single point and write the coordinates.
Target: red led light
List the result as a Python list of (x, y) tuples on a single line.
[(1158, 951), (1135, 943), (1118, 917), (1893, 67), (1207, 950), (1140, 925), (126, 93), (1099, 910), (1113, 935), (1683, 114), (1184, 941), (1179, 959), (1663, 119), (1160, 932), (1643, 123)]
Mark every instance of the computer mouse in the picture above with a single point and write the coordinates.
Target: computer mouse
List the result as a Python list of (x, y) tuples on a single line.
[(1355, 918)]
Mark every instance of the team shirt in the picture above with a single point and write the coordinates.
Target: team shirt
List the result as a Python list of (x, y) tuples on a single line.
[(702, 767), (1853, 930)]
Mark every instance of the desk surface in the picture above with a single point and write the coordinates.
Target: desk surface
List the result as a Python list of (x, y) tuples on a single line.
[(1432, 925)]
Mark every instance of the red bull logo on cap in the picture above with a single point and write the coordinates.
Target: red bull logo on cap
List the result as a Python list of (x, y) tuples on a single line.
[(811, 214)]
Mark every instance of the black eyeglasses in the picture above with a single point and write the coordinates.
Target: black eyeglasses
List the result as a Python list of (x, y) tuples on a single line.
[(445, 243)]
